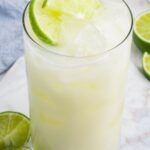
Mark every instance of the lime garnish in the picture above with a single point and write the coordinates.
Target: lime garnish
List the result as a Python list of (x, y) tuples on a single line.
[(44, 26), (141, 32), (47, 16), (14, 130), (146, 64)]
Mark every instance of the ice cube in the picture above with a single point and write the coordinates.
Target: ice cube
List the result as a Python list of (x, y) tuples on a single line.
[(89, 41)]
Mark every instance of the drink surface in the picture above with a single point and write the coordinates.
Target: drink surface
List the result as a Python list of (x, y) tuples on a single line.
[(85, 37), (77, 103)]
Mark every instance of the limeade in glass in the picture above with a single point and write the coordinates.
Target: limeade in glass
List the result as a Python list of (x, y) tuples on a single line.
[(76, 87)]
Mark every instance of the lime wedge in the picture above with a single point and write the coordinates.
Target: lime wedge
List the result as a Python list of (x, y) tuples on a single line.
[(141, 34), (14, 130), (146, 64), (47, 16)]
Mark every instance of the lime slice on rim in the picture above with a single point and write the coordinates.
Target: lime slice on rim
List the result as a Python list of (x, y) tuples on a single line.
[(146, 64), (14, 130), (46, 16), (141, 34), (43, 22)]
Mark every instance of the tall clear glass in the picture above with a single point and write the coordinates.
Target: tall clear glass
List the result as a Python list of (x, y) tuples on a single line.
[(76, 103)]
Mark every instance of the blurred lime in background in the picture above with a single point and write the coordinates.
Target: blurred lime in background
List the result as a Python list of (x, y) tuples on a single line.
[(146, 64), (141, 37), (141, 34)]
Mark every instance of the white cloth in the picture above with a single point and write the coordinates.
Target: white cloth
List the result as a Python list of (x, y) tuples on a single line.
[(13, 89)]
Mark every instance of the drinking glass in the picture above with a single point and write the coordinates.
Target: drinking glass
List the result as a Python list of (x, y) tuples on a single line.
[(76, 103)]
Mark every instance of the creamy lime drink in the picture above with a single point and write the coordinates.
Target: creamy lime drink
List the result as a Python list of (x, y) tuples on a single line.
[(77, 55)]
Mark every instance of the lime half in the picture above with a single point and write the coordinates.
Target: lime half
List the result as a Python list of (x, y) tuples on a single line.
[(14, 130), (47, 16), (141, 34), (146, 64)]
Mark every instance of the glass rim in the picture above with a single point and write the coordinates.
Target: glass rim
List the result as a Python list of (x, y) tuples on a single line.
[(78, 57)]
